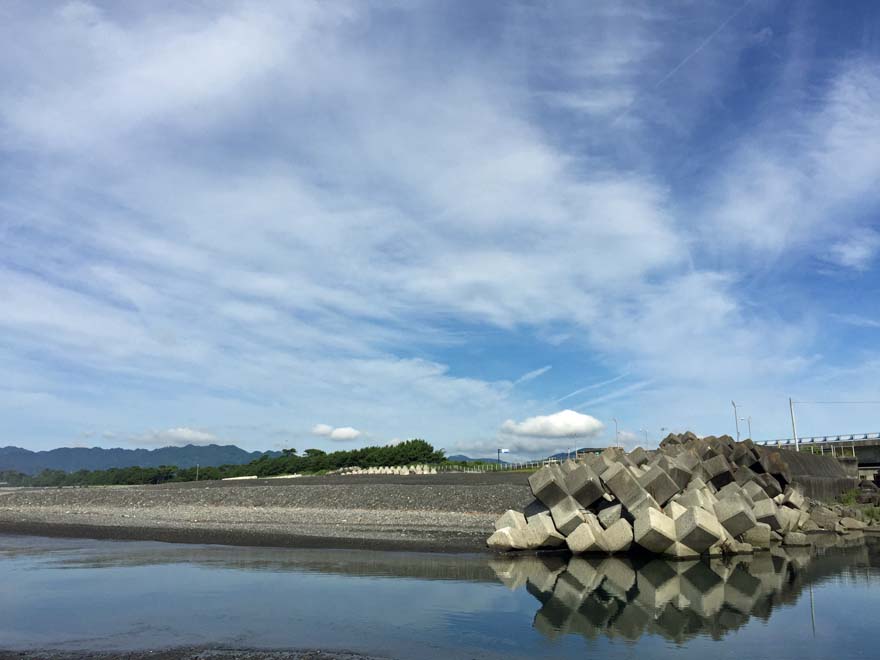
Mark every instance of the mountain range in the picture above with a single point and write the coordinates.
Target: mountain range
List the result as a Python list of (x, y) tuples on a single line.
[(72, 459)]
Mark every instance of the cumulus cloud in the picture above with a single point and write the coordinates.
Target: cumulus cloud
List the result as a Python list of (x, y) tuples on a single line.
[(341, 433), (564, 424)]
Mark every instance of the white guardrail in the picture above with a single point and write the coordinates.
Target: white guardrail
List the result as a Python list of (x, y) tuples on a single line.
[(855, 437)]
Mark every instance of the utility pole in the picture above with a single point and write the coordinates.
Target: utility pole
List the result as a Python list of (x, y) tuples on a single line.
[(735, 419), (797, 444), (197, 471)]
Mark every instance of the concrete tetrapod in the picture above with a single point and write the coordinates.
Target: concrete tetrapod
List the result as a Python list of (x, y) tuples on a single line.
[(795, 539), (511, 518), (547, 486), (758, 536), (583, 539), (507, 538), (793, 497), (735, 515), (624, 486), (766, 511), (698, 529), (658, 484), (566, 514), (654, 531), (610, 515), (542, 533), (584, 485), (618, 537), (788, 519)]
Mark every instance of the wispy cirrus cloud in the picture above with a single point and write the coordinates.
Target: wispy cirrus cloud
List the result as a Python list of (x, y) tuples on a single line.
[(531, 375), (234, 213)]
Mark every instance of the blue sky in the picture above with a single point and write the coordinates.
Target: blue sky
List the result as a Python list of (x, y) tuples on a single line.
[(334, 224)]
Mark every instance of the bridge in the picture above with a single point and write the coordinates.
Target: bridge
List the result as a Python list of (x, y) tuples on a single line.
[(865, 447)]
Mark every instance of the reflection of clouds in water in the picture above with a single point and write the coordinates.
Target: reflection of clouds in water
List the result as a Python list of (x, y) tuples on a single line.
[(620, 597)]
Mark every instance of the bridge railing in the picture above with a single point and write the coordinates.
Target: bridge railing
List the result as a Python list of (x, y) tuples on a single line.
[(820, 440)]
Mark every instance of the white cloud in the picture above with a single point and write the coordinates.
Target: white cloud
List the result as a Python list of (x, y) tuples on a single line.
[(564, 424), (794, 182), (856, 251), (283, 255), (341, 434), (177, 436)]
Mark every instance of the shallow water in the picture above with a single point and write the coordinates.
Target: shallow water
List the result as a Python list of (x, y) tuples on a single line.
[(106, 595)]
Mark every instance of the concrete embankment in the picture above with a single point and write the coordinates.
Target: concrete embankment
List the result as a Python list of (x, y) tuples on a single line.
[(444, 512)]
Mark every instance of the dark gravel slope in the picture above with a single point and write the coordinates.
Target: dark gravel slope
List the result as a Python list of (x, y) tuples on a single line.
[(446, 512)]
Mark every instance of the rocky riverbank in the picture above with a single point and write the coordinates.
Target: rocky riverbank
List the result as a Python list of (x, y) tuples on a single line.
[(444, 513)]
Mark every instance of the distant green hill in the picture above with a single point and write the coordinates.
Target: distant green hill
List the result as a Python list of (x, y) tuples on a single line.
[(73, 459)]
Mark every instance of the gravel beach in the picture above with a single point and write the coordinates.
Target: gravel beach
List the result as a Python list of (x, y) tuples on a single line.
[(450, 512), (184, 654)]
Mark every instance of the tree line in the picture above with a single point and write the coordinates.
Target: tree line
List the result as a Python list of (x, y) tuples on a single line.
[(311, 461)]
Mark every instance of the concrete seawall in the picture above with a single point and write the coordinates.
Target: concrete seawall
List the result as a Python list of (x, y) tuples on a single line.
[(820, 477)]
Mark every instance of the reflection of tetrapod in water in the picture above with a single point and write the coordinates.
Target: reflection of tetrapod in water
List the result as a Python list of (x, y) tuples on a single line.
[(622, 597)]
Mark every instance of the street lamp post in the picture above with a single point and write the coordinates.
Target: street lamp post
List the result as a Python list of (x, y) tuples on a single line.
[(735, 419)]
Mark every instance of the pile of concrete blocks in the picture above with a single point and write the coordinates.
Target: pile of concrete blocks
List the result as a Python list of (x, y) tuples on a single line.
[(692, 496), (397, 469)]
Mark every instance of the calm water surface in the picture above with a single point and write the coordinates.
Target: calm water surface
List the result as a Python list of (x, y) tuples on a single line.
[(105, 595)]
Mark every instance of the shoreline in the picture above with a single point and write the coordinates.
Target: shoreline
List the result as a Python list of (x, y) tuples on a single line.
[(450, 513), (186, 653), (453, 543)]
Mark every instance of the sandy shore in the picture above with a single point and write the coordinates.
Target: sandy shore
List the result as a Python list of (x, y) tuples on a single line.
[(184, 654), (434, 513)]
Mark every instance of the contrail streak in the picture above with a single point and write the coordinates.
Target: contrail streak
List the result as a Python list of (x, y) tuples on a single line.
[(702, 45), (687, 59)]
